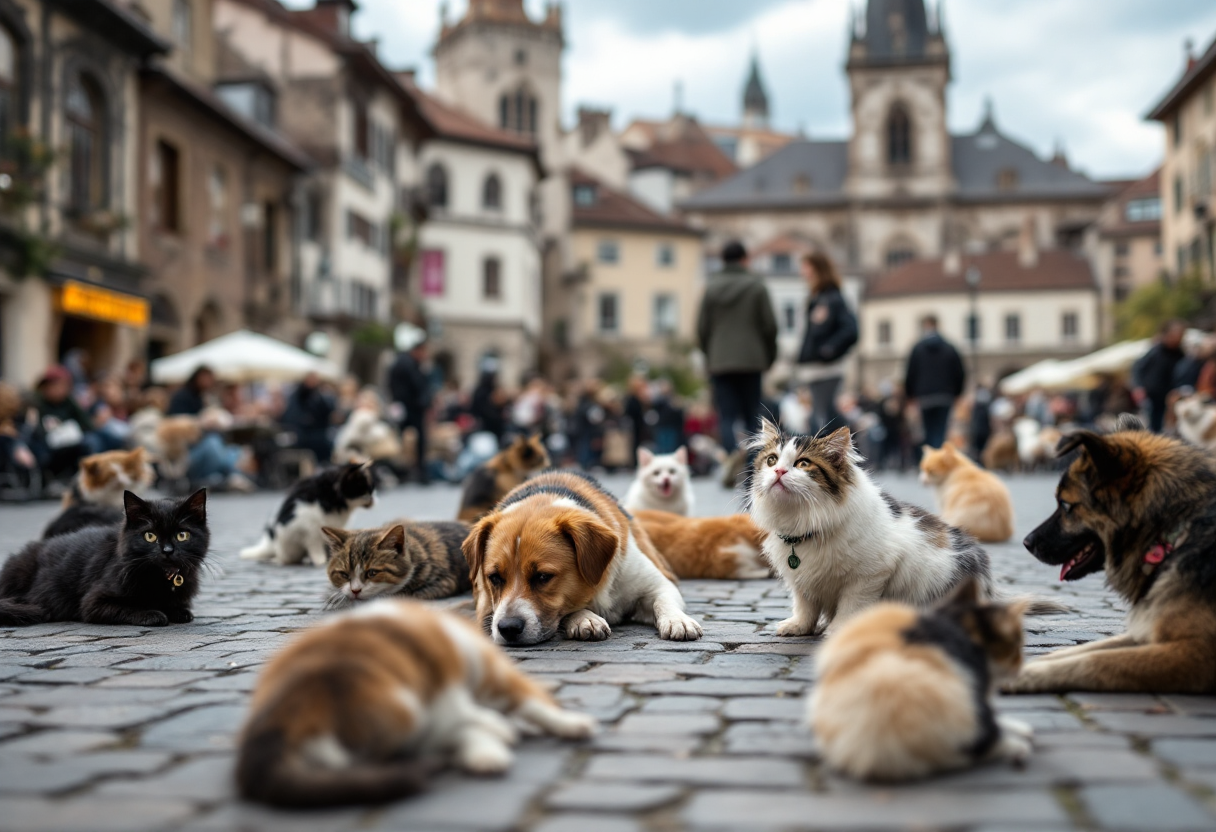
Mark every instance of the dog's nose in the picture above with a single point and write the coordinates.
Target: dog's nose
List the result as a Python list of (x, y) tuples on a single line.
[(511, 628), (1028, 542)]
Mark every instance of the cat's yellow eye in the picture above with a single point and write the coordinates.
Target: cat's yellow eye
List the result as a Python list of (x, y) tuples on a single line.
[(803, 464), (182, 537), (148, 536), (771, 461), (371, 573)]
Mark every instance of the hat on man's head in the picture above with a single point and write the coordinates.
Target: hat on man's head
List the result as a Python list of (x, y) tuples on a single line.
[(58, 372), (734, 252)]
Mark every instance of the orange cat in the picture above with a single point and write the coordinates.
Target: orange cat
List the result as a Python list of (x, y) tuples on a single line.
[(969, 497), (707, 547)]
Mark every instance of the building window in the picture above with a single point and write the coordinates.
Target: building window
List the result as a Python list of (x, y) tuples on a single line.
[(666, 320), (884, 333), (789, 317), (1181, 255), (521, 57), (312, 216), (665, 255), (1121, 248), (517, 111), (899, 254), (85, 108), (1177, 131), (491, 193), (165, 174), (363, 301), (899, 136), (1013, 328), (217, 197), (972, 327), (270, 237), (609, 321), (782, 263), (1203, 174), (359, 227), (608, 252), (8, 83), (182, 28), (491, 278), (1068, 326), (1177, 194), (1143, 209), (361, 137), (437, 186), (1122, 271), (1007, 180)]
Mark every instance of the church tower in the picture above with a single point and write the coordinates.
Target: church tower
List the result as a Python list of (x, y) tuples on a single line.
[(755, 99), (503, 67), (898, 69)]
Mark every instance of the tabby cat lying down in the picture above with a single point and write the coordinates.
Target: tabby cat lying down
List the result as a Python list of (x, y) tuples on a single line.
[(422, 560)]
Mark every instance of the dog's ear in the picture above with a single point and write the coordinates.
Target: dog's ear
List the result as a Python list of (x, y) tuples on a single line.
[(1104, 458), (593, 542), (1129, 422), (474, 545), (645, 457)]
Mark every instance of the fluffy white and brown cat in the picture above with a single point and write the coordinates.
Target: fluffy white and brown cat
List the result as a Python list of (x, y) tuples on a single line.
[(839, 542), (362, 707)]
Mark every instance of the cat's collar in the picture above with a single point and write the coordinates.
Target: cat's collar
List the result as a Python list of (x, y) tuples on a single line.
[(175, 577), (793, 560)]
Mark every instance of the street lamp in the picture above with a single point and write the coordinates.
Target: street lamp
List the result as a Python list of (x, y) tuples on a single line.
[(973, 276)]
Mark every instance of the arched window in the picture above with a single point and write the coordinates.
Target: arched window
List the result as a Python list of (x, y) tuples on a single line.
[(491, 278), (899, 136), (517, 111), (182, 26), (8, 83), (84, 108), (491, 193), (437, 186)]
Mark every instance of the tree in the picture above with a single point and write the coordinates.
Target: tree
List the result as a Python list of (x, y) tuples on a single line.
[(1147, 308)]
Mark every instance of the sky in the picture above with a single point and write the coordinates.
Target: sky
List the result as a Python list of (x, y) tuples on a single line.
[(1078, 72)]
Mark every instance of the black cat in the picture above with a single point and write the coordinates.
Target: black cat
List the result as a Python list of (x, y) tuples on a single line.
[(82, 516), (142, 572)]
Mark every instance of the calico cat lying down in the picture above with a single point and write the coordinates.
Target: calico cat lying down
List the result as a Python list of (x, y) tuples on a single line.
[(144, 571), (904, 694), (422, 560), (357, 709)]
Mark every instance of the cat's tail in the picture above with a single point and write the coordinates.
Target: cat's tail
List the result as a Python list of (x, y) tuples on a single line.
[(17, 614), (262, 550), (1034, 606), (267, 771)]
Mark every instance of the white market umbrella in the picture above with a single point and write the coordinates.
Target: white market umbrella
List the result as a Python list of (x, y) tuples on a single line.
[(1044, 374), (242, 356)]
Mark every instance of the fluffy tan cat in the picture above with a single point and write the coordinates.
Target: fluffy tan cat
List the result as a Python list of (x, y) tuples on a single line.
[(360, 708), (904, 694), (968, 497)]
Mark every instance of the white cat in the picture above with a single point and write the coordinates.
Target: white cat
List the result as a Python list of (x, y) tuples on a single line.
[(663, 483), (840, 543)]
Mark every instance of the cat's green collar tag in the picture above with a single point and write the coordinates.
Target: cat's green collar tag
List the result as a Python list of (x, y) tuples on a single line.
[(793, 560)]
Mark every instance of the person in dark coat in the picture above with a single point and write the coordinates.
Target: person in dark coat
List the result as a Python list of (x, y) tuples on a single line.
[(1153, 374), (737, 332), (486, 406), (935, 379), (62, 433), (410, 388), (831, 331), (310, 415), (191, 397)]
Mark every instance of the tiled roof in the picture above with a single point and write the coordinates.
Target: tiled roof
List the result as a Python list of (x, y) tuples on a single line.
[(1195, 74), (119, 24), (681, 144), (613, 209), (1149, 186), (1000, 271), (450, 122), (803, 173)]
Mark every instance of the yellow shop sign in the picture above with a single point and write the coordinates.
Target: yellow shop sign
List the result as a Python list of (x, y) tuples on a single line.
[(103, 305)]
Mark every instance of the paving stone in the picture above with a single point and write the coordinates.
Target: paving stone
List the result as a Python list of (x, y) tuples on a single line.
[(99, 716), (206, 779), (22, 775), (734, 666), (154, 679), (701, 771), (587, 823), (731, 809), (1184, 753), (721, 687), (58, 743), (1156, 725), (212, 727), (682, 705), (570, 665), (694, 724), (675, 745), (779, 739), (68, 676), (785, 709), (621, 674), (1192, 705), (245, 817), (1158, 807), (88, 814), (1142, 702), (1059, 767), (612, 797)]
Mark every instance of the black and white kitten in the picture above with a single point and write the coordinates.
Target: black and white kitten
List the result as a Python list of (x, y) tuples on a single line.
[(143, 572), (839, 542), (324, 499)]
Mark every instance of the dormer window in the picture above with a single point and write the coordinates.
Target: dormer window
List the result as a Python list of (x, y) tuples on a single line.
[(1007, 180), (253, 100), (584, 195), (802, 184)]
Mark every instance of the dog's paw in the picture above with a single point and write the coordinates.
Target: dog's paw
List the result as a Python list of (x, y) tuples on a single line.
[(795, 627), (1033, 678), (680, 627), (587, 626)]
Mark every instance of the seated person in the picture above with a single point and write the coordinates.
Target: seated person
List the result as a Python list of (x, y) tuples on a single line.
[(215, 463), (61, 435)]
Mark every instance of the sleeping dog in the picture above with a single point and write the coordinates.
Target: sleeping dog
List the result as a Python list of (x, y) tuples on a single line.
[(560, 553)]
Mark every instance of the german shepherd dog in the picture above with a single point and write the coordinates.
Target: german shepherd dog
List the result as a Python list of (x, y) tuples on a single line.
[(509, 468), (1144, 507)]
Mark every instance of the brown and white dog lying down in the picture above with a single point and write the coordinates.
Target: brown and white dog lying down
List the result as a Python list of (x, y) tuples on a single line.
[(1142, 507), (707, 547), (559, 552), (1196, 419)]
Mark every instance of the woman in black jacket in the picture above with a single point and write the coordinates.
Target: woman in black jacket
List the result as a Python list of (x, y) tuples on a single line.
[(831, 331)]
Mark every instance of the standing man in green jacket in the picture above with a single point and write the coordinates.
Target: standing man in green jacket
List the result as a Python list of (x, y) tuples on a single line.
[(738, 334)]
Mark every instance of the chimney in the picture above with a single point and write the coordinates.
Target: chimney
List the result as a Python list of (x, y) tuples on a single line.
[(952, 263), (1059, 158), (1188, 53), (334, 15), (592, 122), (1028, 249)]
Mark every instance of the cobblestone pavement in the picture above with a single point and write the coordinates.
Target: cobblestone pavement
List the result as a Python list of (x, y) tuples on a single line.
[(127, 728)]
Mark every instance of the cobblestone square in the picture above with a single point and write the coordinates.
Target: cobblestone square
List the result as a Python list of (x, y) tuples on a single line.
[(130, 729)]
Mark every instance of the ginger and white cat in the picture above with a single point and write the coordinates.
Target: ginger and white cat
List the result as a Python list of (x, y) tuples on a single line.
[(969, 497), (839, 543), (903, 694), (663, 483), (360, 708)]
